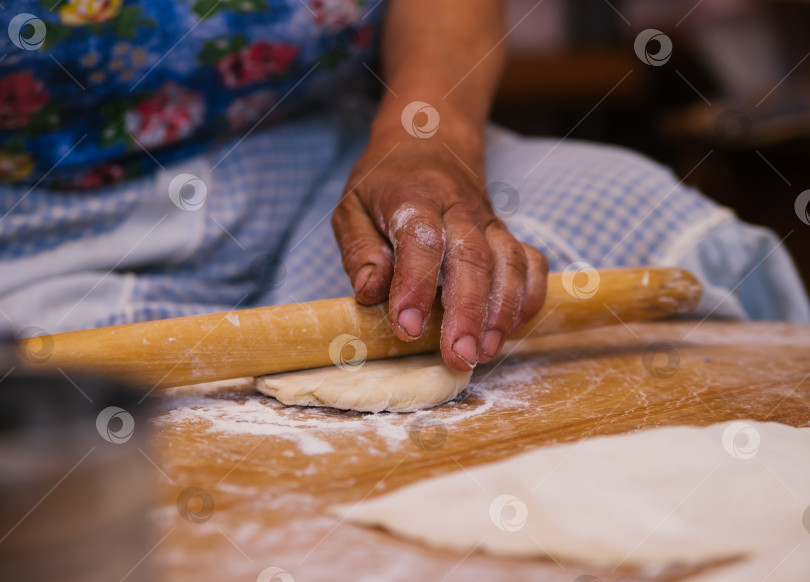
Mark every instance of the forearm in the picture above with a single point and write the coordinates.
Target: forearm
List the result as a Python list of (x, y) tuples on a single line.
[(448, 53)]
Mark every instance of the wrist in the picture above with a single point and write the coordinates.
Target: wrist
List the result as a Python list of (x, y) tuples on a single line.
[(433, 124)]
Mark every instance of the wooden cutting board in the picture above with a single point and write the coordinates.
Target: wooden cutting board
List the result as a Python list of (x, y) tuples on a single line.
[(263, 474)]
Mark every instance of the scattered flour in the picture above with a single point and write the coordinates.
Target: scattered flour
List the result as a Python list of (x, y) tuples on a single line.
[(407, 217), (314, 430)]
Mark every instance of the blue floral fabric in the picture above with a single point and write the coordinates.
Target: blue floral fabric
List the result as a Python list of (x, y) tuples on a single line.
[(96, 91)]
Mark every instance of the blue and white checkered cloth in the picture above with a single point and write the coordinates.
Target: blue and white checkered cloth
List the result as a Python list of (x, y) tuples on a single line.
[(260, 233)]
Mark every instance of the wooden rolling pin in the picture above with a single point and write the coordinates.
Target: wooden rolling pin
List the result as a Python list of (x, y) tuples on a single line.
[(267, 340)]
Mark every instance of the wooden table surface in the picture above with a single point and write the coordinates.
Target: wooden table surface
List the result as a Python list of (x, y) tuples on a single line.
[(244, 481)]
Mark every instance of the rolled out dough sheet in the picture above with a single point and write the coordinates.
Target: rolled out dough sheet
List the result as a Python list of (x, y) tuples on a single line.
[(399, 385), (787, 564), (648, 498)]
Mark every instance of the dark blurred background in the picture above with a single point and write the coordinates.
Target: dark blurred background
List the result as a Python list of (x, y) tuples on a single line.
[(737, 85)]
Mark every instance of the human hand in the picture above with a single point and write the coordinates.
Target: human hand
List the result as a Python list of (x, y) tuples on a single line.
[(412, 210)]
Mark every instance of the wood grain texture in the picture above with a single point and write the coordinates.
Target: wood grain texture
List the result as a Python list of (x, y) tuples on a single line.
[(249, 454), (267, 340)]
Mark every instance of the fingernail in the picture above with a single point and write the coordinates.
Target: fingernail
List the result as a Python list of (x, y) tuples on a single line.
[(363, 276), (492, 342), (466, 349), (411, 321)]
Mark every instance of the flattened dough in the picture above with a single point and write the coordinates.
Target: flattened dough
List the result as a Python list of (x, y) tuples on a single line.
[(787, 564), (647, 498), (399, 385)]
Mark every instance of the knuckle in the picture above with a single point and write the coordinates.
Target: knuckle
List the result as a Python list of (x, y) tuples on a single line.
[(497, 226), (418, 273), (358, 246), (472, 254), (410, 207), (536, 260), (514, 258), (507, 309), (339, 215), (432, 180), (470, 311), (415, 231), (540, 260)]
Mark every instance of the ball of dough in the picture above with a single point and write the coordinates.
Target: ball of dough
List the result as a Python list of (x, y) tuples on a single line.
[(397, 385)]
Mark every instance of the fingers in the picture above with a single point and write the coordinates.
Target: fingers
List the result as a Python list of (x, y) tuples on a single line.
[(508, 289), (365, 254), (468, 269), (536, 283), (416, 232), (493, 284)]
